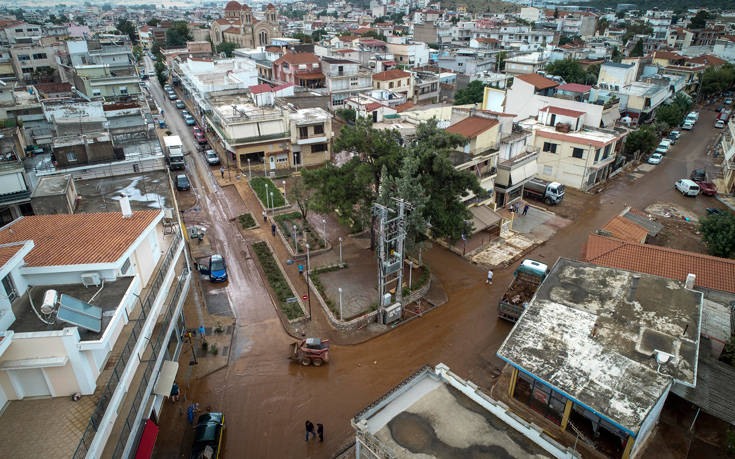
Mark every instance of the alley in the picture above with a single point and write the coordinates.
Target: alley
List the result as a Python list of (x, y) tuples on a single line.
[(266, 398)]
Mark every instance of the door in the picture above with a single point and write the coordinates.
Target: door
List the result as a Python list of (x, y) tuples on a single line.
[(30, 383), (272, 160)]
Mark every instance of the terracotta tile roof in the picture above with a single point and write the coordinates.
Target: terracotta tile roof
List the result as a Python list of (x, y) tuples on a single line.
[(707, 59), (574, 87), (487, 40), (260, 88), (309, 76), (298, 58), (233, 5), (283, 86), (667, 55), (7, 252), (571, 138), (622, 228), (77, 239), (712, 272), (403, 107), (562, 111), (347, 38), (374, 106), (538, 81), (493, 112), (472, 126), (363, 30), (388, 75)]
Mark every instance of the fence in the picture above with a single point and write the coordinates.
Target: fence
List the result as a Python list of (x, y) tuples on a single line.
[(99, 411)]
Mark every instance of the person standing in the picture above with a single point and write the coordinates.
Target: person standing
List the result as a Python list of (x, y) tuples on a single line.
[(265, 217), (222, 171), (309, 429), (489, 277), (525, 209), (320, 432), (175, 392), (273, 229)]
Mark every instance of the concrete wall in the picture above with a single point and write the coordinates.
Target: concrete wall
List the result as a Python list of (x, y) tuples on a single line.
[(94, 152)]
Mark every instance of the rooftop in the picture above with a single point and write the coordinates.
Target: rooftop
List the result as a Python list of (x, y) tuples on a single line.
[(537, 81), (622, 228), (472, 126), (712, 272), (575, 87), (562, 111), (108, 299), (310, 115), (592, 333), (63, 239), (596, 138), (393, 74), (240, 107)]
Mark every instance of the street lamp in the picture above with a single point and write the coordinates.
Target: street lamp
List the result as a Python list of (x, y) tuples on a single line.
[(308, 291), (340, 250), (295, 247), (340, 303), (273, 203), (284, 189), (410, 273), (267, 203), (250, 173), (324, 226)]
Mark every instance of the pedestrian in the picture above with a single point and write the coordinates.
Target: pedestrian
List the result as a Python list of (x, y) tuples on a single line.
[(309, 429), (301, 270), (265, 217), (489, 277), (175, 392), (525, 209), (222, 172), (273, 229), (320, 432), (201, 331), (191, 411)]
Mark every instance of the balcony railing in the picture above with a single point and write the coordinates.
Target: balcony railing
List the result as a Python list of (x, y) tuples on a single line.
[(127, 351)]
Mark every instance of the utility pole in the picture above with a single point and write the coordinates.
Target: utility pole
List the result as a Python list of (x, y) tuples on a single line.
[(391, 237)]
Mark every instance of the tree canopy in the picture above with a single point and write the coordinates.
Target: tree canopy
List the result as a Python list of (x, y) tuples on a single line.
[(718, 233), (472, 94), (637, 50), (674, 113), (699, 21), (178, 34), (642, 140), (153, 22), (573, 72), (227, 48), (718, 80), (126, 27), (302, 36)]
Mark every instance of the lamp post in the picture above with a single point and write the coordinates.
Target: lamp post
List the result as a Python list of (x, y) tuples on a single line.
[(340, 250), (324, 227), (273, 203), (284, 189), (308, 291), (340, 303), (267, 203), (250, 173), (295, 247), (410, 273)]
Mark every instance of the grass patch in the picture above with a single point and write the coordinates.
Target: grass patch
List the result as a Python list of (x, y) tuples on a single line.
[(277, 281), (246, 220), (287, 222), (258, 184)]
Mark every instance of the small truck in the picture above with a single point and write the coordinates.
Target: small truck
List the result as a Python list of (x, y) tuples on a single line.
[(541, 190), (310, 351), (526, 280)]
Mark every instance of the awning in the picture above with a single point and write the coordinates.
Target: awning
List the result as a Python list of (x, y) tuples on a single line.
[(310, 76), (166, 378), (147, 440), (483, 218)]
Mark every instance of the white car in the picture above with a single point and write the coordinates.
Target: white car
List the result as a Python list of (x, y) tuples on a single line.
[(687, 187), (655, 158), (687, 126), (694, 115)]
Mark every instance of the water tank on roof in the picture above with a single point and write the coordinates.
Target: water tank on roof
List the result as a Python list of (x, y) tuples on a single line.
[(49, 301)]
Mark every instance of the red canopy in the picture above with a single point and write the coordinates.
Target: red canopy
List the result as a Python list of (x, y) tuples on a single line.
[(147, 440)]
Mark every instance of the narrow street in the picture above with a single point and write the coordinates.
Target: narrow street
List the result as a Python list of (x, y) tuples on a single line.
[(266, 398)]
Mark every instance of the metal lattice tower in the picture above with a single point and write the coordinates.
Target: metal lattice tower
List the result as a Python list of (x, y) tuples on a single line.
[(391, 236)]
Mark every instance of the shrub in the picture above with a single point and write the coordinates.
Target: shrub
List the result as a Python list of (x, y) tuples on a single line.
[(258, 184), (276, 280), (246, 220), (213, 349)]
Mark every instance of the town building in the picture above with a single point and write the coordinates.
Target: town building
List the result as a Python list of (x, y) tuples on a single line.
[(239, 26), (300, 69), (344, 79), (394, 80), (311, 135)]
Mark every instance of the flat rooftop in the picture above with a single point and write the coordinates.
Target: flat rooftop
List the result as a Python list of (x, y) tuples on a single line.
[(426, 417), (593, 333), (108, 299), (310, 115), (240, 106), (146, 191)]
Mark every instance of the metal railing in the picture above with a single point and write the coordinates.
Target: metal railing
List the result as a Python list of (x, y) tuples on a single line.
[(161, 341), (99, 411)]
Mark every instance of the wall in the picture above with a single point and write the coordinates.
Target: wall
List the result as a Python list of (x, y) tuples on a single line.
[(649, 422), (12, 183)]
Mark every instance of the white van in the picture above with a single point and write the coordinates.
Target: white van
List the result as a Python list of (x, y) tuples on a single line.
[(687, 187)]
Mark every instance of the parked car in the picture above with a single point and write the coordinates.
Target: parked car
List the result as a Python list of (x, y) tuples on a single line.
[(180, 105), (167, 87), (217, 268), (698, 175), (674, 136), (707, 188), (172, 96), (694, 115), (185, 113), (182, 182), (190, 121), (212, 158), (199, 137), (208, 432), (655, 158), (664, 146), (687, 187), (719, 124), (196, 130), (687, 126), (728, 101)]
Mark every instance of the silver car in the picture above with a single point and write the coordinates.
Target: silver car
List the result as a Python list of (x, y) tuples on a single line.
[(212, 158)]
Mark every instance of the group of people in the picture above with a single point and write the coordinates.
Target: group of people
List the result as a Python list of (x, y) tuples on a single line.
[(516, 208), (310, 430)]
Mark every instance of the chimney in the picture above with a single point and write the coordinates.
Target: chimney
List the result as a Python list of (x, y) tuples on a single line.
[(127, 212), (689, 283)]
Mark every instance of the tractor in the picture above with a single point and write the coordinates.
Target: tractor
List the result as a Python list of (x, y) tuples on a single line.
[(310, 351)]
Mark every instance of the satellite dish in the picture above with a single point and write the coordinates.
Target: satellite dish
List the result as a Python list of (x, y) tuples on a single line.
[(662, 357)]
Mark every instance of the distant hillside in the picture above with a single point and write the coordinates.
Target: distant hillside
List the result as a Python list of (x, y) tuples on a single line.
[(482, 6)]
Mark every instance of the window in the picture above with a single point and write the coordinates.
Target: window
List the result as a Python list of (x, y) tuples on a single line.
[(71, 156), (607, 151), (550, 147), (24, 57), (9, 287), (390, 85), (548, 170), (303, 132), (597, 155), (577, 153), (285, 65), (123, 89), (378, 86), (39, 56), (319, 147), (319, 129), (96, 92)]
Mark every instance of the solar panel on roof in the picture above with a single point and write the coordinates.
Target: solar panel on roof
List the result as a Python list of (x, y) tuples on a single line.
[(79, 313)]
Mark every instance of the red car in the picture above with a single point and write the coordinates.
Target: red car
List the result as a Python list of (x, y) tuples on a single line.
[(707, 188), (196, 130), (199, 137)]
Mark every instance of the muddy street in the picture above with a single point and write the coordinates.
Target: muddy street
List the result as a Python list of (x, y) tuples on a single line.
[(266, 398)]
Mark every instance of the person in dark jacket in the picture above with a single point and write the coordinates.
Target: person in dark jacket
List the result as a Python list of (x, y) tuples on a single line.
[(309, 429), (320, 432)]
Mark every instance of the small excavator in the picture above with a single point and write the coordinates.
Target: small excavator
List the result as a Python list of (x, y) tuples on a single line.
[(310, 351)]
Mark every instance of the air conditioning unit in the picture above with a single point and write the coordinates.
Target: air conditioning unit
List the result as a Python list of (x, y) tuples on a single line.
[(91, 279)]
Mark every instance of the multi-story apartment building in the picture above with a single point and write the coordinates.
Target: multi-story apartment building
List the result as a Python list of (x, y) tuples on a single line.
[(727, 145), (394, 80), (34, 61), (311, 135), (300, 69), (15, 190), (409, 54), (344, 79), (425, 87), (515, 36), (12, 32)]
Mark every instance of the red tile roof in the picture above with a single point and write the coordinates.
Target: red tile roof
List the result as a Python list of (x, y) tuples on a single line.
[(538, 81), (309, 76), (298, 58), (708, 59), (487, 40), (472, 126), (347, 38), (403, 107), (667, 55), (562, 111), (233, 5), (622, 228), (712, 272), (283, 86), (76, 239), (7, 252), (260, 88), (574, 87), (390, 75)]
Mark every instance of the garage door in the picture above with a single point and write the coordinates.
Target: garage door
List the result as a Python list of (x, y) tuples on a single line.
[(31, 382)]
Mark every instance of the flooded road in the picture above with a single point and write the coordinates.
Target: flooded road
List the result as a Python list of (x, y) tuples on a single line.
[(266, 398)]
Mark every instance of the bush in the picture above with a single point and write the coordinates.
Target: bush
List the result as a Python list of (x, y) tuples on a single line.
[(276, 280), (258, 184), (288, 220), (213, 349), (246, 220)]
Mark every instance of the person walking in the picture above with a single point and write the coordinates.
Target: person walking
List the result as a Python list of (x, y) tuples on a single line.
[(489, 277), (265, 217), (320, 432), (175, 392), (525, 209), (222, 171), (273, 229), (309, 429)]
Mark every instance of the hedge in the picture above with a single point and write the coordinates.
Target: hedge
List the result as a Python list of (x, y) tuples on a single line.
[(277, 281)]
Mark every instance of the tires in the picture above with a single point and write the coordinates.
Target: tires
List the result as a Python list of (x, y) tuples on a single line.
[(548, 201), (317, 361), (306, 361)]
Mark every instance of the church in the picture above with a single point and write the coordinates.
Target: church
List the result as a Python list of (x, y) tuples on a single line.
[(241, 28)]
